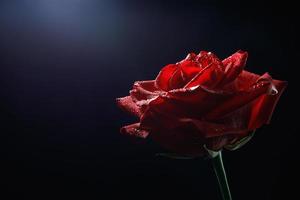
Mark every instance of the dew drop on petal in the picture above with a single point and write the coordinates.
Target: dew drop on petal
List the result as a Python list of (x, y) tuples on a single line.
[(273, 90)]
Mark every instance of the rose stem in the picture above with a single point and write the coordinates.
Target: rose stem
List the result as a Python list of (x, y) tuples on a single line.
[(221, 175)]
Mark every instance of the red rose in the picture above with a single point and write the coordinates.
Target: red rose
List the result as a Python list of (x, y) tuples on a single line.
[(202, 102)]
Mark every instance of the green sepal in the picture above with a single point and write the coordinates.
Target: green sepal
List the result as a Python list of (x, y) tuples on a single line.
[(211, 153), (240, 143)]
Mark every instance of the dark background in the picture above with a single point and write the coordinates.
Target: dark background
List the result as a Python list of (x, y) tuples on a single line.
[(63, 63)]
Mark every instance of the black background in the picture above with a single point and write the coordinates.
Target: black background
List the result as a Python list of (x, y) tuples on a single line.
[(63, 63)]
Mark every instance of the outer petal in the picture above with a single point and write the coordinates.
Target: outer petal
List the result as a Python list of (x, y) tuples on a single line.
[(190, 102), (184, 139), (148, 85), (128, 105), (242, 98), (262, 109), (213, 130), (234, 66), (256, 113), (245, 80), (218, 135), (188, 136), (143, 90), (134, 130)]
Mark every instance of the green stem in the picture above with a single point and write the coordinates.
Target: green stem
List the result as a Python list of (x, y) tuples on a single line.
[(221, 175)]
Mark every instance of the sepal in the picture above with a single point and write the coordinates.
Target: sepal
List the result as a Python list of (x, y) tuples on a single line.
[(238, 144), (212, 153)]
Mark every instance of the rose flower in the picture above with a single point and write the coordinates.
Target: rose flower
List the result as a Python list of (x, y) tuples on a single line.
[(202, 103)]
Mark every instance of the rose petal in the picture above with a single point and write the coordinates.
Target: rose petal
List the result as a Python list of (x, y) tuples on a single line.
[(205, 58), (191, 57), (162, 79), (186, 70), (217, 135), (211, 129), (211, 72), (234, 65), (258, 112), (198, 95), (134, 130), (175, 76), (128, 105), (146, 85), (153, 118), (242, 98), (183, 139), (243, 81), (210, 77), (263, 107), (143, 90), (189, 139), (177, 80), (189, 68), (190, 102)]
